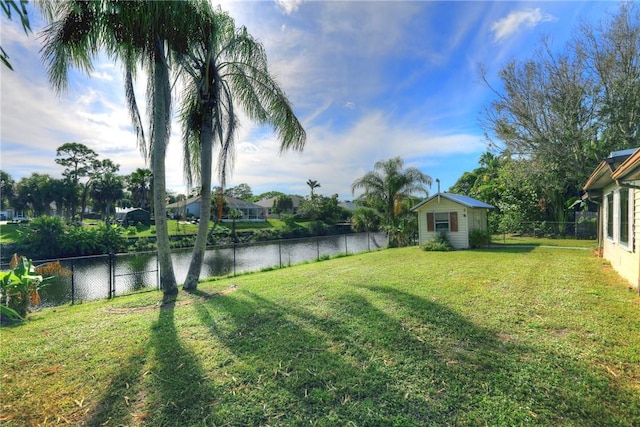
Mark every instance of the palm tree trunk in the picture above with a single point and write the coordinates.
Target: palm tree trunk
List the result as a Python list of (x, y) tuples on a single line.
[(206, 158), (161, 105)]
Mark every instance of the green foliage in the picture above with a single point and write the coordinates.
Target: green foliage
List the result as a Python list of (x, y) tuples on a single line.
[(440, 243), (51, 237), (143, 244), (322, 208), (559, 113), (241, 191), (43, 237), (283, 204), (318, 228), (365, 219), (19, 287), (289, 221), (479, 238)]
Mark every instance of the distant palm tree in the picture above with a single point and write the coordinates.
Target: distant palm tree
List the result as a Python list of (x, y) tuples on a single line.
[(140, 182), (106, 189), (226, 68), (389, 186), (146, 33), (313, 185)]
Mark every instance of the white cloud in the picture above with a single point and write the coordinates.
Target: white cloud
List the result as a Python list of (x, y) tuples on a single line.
[(101, 76), (515, 21), (289, 6)]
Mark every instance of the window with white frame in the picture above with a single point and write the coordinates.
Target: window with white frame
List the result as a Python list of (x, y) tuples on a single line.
[(609, 214), (626, 217), (619, 217), (442, 221)]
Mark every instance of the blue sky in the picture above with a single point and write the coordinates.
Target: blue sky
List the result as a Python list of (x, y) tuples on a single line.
[(368, 80)]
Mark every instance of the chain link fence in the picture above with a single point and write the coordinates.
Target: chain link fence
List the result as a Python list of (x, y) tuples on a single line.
[(106, 276)]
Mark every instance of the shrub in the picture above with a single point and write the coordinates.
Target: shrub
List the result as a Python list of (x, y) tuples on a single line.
[(318, 228), (18, 288), (42, 237), (440, 243), (479, 238), (143, 245)]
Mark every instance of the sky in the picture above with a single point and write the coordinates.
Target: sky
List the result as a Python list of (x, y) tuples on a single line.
[(368, 80)]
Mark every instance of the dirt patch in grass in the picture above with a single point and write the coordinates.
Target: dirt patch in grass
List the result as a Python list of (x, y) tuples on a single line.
[(200, 296)]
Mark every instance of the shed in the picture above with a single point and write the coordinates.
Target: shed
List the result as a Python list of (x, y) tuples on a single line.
[(455, 214), (133, 216)]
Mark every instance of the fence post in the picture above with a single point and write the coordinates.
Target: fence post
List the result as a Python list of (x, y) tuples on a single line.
[(368, 242), (318, 247), (280, 251), (234, 258), (346, 250), (112, 275), (73, 284)]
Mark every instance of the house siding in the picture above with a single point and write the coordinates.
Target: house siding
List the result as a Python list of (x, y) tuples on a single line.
[(624, 259), (459, 239)]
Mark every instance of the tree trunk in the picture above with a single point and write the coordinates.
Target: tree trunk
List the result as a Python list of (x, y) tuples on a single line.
[(206, 158), (161, 108)]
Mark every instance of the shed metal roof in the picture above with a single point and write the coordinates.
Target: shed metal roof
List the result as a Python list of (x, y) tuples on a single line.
[(463, 200)]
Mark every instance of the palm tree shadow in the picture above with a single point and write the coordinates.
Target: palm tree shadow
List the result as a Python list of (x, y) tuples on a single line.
[(164, 383), (114, 405), (517, 372), (178, 388)]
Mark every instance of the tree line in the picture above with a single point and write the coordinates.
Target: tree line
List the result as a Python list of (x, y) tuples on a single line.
[(87, 181), (555, 117)]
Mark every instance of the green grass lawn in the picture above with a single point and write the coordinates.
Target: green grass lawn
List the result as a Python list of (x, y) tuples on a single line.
[(9, 233), (508, 336)]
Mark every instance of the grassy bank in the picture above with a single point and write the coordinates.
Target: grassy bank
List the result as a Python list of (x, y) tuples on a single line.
[(508, 336)]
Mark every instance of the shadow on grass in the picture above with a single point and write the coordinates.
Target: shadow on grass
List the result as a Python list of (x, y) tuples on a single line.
[(516, 383), (164, 383), (413, 362)]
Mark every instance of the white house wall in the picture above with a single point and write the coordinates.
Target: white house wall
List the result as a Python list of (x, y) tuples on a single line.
[(625, 260), (459, 239)]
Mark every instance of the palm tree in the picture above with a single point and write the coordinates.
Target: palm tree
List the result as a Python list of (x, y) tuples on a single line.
[(225, 69), (388, 187), (147, 33), (313, 185), (106, 189), (140, 182)]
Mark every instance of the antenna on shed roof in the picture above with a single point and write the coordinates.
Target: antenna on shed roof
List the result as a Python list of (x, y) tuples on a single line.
[(438, 182)]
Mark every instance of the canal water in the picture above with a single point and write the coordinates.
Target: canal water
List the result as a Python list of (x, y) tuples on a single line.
[(90, 278)]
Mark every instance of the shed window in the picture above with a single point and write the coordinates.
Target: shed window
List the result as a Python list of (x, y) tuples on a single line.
[(442, 221)]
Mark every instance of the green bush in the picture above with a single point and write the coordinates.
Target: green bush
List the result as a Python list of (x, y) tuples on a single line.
[(479, 238), (440, 243), (18, 288), (143, 245)]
